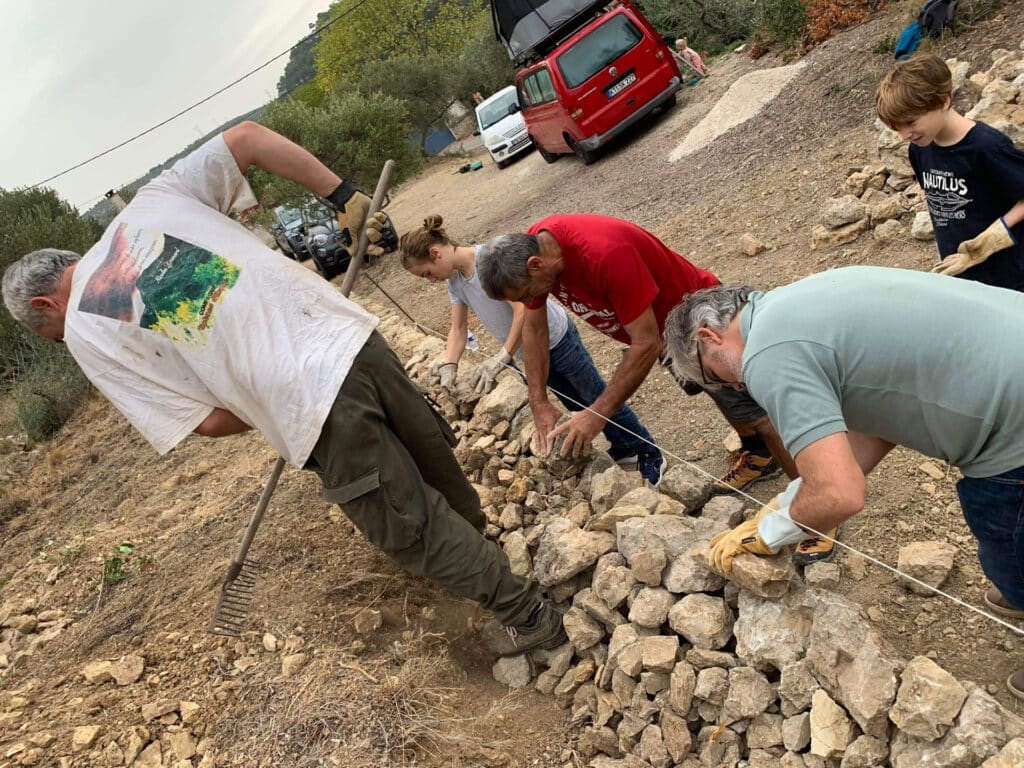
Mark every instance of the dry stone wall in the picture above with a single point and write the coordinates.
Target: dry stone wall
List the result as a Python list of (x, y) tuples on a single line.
[(667, 663)]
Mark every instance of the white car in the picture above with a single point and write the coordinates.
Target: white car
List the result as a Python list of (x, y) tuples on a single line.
[(501, 126)]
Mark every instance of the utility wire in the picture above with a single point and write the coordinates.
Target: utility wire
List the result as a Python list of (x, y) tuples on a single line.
[(175, 116)]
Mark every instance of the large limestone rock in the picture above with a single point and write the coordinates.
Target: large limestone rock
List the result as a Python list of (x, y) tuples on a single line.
[(866, 752), (565, 550), (921, 228), (582, 630), (768, 577), (681, 687), (823, 237), (772, 633), (513, 671), (928, 700), (929, 561), (831, 730), (980, 731), (1010, 756), (503, 403), (685, 486), (607, 487), (651, 606), (518, 553), (843, 210), (797, 685), (750, 694), (704, 620)]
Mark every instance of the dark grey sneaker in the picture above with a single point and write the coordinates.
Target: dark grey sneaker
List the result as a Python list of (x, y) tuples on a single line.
[(651, 465), (542, 630)]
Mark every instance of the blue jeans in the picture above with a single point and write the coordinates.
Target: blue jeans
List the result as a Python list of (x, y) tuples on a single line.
[(994, 510), (575, 380)]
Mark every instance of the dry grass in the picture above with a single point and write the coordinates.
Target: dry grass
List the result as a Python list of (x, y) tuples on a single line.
[(343, 711)]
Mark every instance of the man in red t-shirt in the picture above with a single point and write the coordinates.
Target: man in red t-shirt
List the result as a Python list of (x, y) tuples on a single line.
[(623, 281)]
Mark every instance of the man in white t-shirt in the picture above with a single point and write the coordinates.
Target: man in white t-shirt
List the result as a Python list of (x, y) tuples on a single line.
[(187, 323)]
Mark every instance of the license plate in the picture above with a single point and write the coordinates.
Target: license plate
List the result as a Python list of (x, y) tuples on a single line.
[(620, 86)]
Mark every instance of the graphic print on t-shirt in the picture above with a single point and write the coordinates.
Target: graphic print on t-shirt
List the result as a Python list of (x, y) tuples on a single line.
[(161, 282), (604, 320), (946, 195)]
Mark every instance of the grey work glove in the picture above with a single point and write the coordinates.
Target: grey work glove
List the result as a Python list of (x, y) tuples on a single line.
[(380, 233), (974, 251), (483, 376), (448, 373)]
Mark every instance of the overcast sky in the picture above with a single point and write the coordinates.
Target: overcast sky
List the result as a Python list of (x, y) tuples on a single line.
[(78, 78)]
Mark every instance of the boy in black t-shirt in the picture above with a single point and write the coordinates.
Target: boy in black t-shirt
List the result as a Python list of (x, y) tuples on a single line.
[(971, 174)]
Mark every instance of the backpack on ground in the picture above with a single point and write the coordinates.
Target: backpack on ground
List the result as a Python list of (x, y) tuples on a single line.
[(908, 40), (936, 16)]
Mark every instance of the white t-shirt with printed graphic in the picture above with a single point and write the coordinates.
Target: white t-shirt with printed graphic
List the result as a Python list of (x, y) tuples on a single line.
[(178, 309)]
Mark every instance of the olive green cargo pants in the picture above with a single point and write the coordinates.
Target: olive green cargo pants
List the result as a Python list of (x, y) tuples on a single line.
[(383, 457)]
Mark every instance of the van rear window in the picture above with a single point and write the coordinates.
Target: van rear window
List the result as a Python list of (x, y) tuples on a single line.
[(598, 49)]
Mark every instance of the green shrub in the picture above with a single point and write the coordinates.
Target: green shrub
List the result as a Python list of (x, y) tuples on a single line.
[(48, 390), (351, 134), (784, 21), (712, 25)]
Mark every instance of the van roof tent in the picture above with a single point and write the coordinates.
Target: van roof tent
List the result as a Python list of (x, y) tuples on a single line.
[(527, 27)]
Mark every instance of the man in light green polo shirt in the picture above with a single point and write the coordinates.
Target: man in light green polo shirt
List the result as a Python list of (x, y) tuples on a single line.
[(851, 362)]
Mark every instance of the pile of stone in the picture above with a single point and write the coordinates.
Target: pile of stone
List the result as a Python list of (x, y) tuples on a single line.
[(882, 196), (668, 663), (25, 627)]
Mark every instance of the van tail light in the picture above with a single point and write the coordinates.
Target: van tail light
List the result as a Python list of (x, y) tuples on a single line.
[(576, 115)]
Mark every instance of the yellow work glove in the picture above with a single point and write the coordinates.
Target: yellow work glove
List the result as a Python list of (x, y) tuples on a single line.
[(974, 251), (350, 206), (743, 538), (380, 233)]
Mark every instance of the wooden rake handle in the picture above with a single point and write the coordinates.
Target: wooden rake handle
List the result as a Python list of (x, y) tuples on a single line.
[(354, 265)]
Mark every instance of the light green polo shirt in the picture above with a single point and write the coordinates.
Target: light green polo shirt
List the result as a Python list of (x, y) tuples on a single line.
[(931, 362)]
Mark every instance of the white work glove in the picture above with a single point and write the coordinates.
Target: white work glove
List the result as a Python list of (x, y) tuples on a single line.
[(974, 251), (448, 371), (778, 529), (483, 376)]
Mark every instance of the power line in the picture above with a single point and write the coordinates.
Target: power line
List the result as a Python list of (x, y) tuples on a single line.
[(233, 83)]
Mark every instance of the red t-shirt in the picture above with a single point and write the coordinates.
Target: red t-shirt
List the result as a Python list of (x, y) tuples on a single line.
[(612, 271)]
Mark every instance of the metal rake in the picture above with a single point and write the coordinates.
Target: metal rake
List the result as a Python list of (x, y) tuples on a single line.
[(236, 593)]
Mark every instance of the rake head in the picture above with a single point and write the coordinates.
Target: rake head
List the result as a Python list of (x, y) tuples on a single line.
[(232, 611)]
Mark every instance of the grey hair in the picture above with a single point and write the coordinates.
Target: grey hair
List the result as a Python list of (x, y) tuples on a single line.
[(501, 263), (712, 308), (35, 274)]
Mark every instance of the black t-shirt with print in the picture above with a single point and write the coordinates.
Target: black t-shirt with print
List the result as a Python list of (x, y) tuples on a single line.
[(968, 186)]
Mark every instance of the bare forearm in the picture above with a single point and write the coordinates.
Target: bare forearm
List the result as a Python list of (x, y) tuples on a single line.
[(515, 333), (456, 343), (221, 423), (538, 359), (1015, 215), (253, 144)]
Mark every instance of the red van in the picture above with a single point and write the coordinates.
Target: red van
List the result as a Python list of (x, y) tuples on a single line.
[(603, 78)]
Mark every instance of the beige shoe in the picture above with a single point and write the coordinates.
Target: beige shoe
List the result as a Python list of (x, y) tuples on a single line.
[(996, 603), (817, 549), (745, 470)]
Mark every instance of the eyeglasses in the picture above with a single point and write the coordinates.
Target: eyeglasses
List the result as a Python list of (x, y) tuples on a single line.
[(703, 373)]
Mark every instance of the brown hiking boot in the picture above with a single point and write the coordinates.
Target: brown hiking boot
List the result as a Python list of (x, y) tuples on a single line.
[(816, 549), (745, 469), (1015, 683), (996, 603), (542, 630)]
